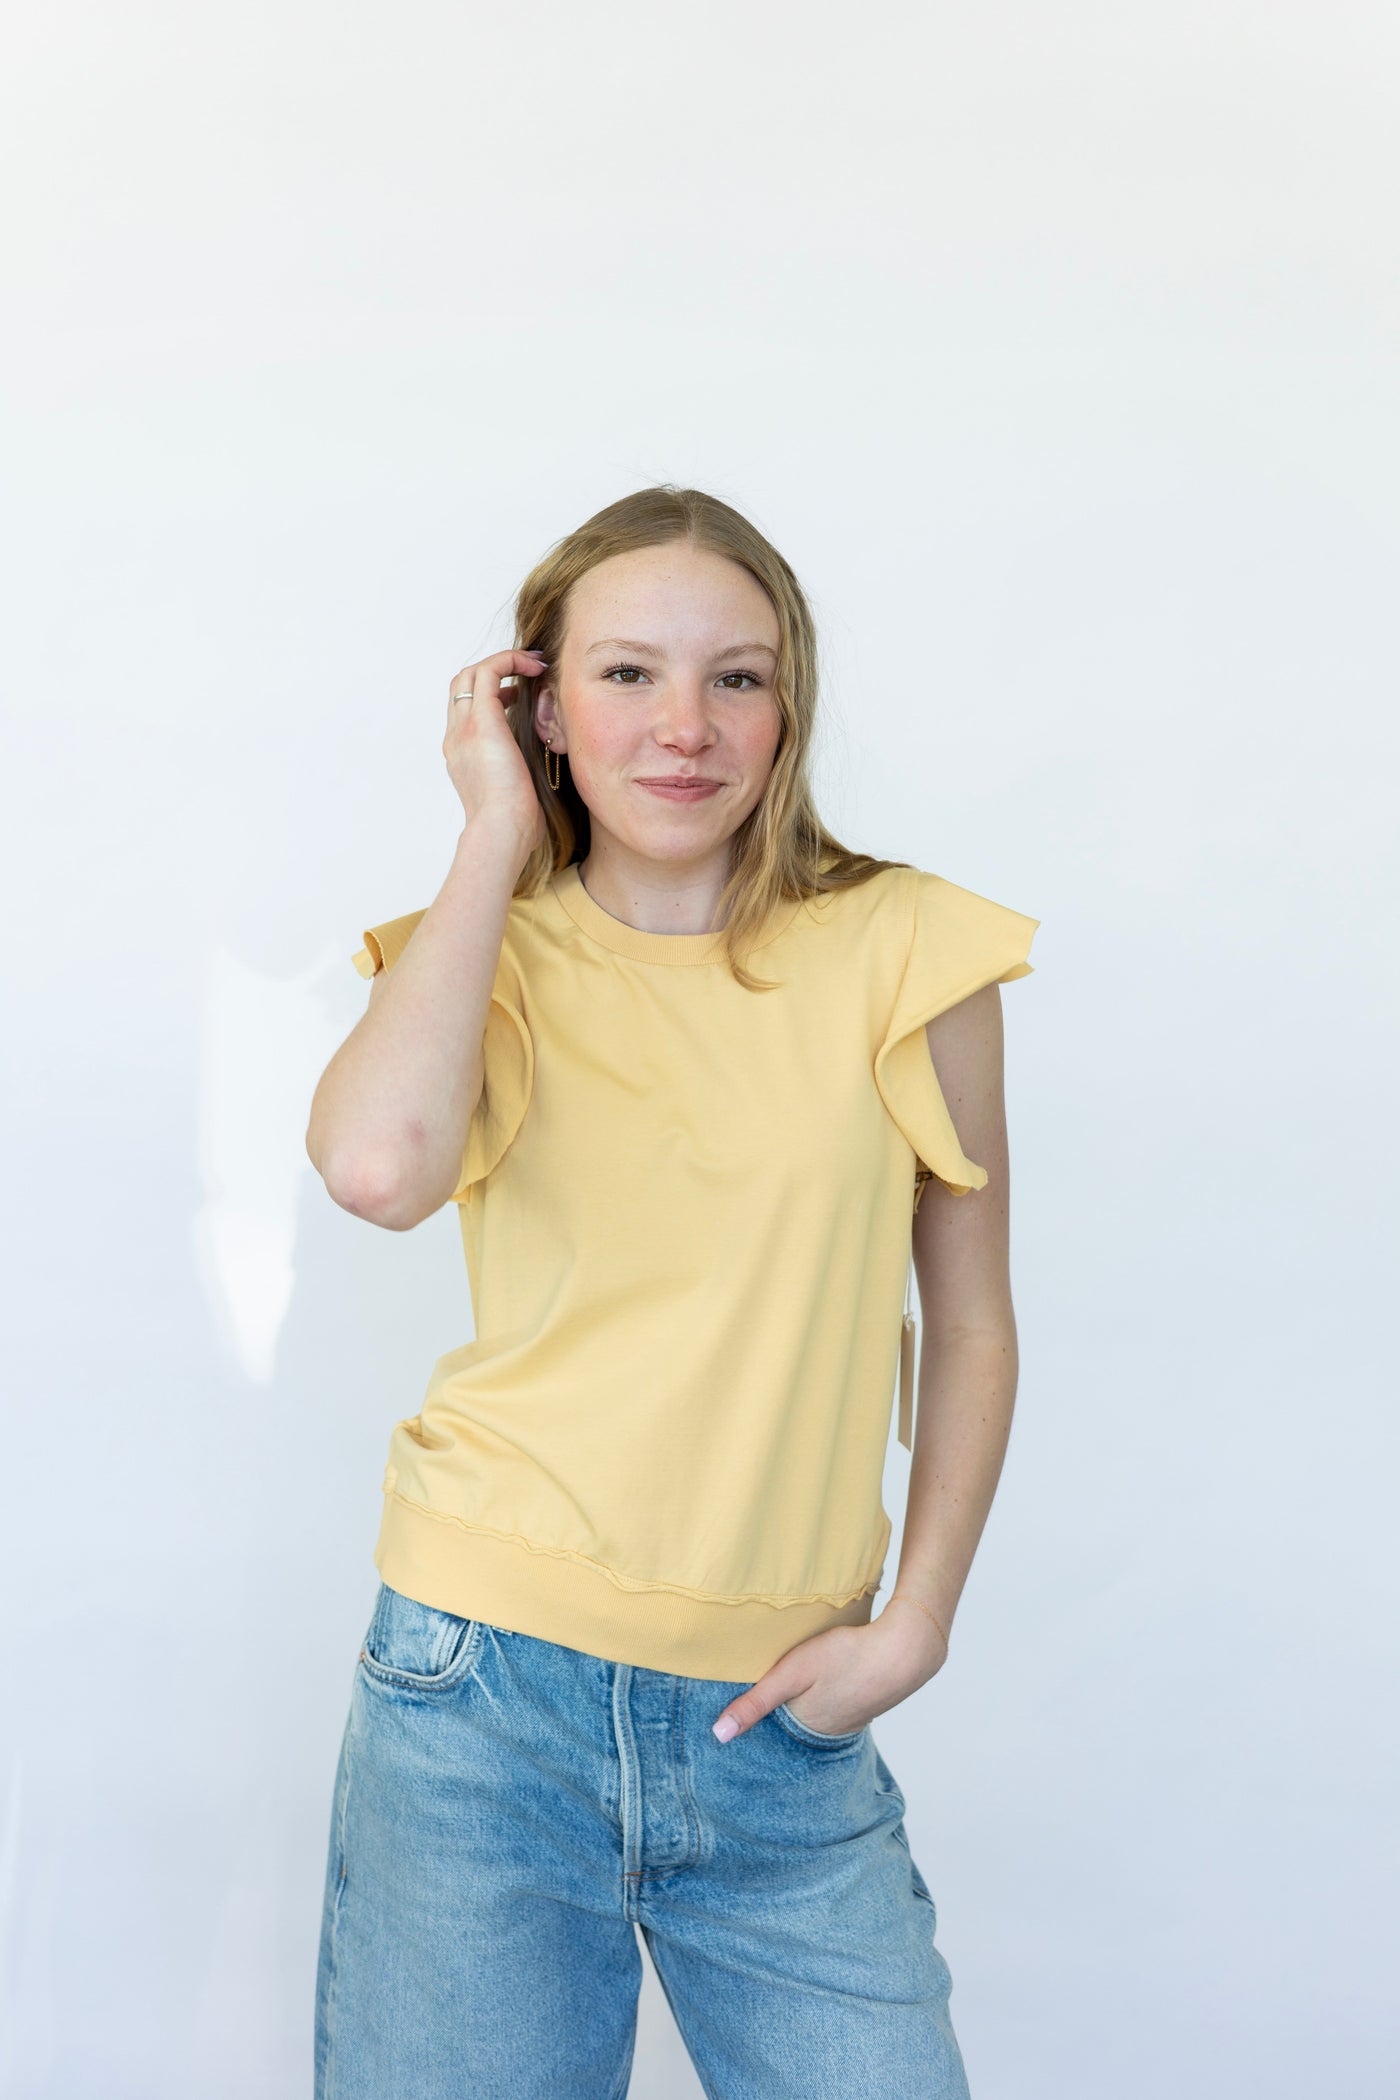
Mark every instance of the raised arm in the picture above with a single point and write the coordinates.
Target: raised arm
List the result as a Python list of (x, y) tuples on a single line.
[(390, 1114)]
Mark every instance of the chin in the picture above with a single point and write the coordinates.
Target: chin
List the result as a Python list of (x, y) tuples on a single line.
[(679, 841)]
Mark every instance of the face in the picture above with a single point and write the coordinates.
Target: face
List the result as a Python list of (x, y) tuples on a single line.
[(665, 676)]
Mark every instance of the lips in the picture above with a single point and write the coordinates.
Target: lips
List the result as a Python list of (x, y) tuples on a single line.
[(682, 790)]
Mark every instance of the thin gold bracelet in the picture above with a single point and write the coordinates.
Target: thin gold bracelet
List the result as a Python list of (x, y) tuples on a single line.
[(902, 1596)]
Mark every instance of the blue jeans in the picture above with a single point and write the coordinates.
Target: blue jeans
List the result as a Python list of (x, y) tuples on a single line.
[(508, 1811)]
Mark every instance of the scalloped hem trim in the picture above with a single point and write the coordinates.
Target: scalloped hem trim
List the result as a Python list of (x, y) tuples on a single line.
[(556, 1594)]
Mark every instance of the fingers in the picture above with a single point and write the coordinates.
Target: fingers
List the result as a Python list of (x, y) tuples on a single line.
[(748, 1709), (491, 673)]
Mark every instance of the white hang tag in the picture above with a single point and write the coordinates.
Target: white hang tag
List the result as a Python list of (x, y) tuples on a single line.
[(906, 1368)]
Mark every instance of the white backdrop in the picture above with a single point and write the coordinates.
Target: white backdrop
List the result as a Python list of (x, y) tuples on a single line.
[(1056, 348)]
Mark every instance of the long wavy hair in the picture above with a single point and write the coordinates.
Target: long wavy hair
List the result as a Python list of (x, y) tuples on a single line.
[(782, 850)]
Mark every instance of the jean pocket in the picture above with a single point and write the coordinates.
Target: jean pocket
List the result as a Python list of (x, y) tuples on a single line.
[(804, 1734), (417, 1647)]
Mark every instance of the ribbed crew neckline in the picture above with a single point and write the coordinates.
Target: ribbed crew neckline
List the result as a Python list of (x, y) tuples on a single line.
[(589, 916)]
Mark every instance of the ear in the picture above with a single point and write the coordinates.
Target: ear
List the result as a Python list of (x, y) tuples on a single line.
[(545, 715)]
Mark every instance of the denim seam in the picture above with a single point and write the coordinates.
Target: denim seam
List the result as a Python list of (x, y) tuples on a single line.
[(692, 1813), (333, 1981)]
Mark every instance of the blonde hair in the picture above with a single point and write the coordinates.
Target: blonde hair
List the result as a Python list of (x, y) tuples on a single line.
[(782, 850)]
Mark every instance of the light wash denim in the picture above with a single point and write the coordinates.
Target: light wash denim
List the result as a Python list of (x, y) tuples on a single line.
[(508, 1811)]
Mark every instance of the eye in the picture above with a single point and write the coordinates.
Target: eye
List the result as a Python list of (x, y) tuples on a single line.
[(613, 670)]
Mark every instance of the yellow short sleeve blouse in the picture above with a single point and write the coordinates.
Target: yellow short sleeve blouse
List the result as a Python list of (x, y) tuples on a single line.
[(685, 1210)]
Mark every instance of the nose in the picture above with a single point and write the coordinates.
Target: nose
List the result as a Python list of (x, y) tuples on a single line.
[(683, 722)]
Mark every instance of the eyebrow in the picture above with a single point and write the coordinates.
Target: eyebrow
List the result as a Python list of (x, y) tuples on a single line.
[(614, 641)]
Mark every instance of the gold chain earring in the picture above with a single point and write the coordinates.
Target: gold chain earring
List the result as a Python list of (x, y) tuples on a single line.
[(550, 752)]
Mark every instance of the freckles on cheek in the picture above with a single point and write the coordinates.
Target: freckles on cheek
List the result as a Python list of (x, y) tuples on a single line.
[(598, 737), (761, 756)]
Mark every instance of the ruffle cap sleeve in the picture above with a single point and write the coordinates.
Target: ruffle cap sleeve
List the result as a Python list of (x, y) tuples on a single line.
[(509, 1058), (508, 1054), (385, 944), (958, 942)]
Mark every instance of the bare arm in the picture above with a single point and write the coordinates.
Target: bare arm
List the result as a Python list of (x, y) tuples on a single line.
[(968, 1361), (967, 1387), (391, 1112)]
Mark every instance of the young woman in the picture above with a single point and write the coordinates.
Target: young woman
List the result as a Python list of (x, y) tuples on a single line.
[(685, 1065)]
